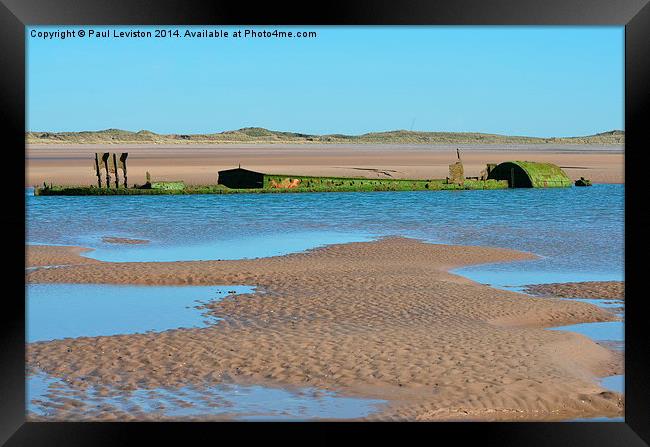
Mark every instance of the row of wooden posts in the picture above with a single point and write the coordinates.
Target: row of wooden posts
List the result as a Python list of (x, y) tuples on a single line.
[(110, 163)]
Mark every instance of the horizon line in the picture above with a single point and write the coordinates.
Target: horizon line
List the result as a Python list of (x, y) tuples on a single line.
[(321, 134)]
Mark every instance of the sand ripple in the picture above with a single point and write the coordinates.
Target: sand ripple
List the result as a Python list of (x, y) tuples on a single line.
[(381, 319)]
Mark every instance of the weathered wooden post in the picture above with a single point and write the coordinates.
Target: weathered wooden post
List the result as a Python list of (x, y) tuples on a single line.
[(98, 171), (105, 157), (122, 165), (456, 173), (115, 171)]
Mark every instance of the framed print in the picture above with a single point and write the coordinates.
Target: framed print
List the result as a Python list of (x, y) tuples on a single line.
[(367, 216)]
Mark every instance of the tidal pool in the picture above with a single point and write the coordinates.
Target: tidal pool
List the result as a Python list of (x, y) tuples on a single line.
[(246, 247), (246, 403), (609, 331), (56, 311), (614, 383), (514, 276)]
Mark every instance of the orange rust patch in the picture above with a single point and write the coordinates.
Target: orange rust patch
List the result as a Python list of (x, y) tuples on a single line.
[(285, 183)]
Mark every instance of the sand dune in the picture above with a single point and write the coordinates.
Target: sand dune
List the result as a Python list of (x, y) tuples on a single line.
[(259, 135), (381, 319)]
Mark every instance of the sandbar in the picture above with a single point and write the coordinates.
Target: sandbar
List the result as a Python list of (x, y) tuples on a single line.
[(382, 319)]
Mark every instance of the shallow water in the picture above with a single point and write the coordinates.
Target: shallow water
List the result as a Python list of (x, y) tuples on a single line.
[(246, 403), (57, 311), (251, 246), (578, 231), (515, 275), (611, 332), (614, 383), (600, 331)]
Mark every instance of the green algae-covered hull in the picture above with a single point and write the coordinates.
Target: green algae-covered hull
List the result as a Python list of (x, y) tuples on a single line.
[(513, 174), (307, 184), (240, 178), (366, 184), (529, 174), (177, 185), (419, 185)]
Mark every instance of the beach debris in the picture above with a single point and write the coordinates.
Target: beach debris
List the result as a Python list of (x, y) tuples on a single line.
[(530, 174), (98, 171), (113, 168), (176, 185), (123, 240), (386, 172), (456, 173), (105, 157), (122, 165), (147, 183), (286, 183), (108, 162), (583, 182), (485, 173), (513, 174), (240, 178)]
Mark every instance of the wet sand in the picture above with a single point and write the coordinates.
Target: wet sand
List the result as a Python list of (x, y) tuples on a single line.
[(46, 255), (198, 164), (382, 319), (604, 290)]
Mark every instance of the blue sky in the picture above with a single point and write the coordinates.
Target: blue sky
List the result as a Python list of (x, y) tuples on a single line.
[(537, 81)]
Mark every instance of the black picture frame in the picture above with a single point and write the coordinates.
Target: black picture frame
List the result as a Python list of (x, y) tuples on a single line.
[(16, 14)]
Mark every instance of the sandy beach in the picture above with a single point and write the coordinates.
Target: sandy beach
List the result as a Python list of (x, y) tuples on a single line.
[(41, 256), (198, 164), (382, 319)]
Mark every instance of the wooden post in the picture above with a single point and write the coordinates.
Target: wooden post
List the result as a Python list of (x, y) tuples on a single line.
[(512, 177), (105, 157), (122, 165), (98, 171), (117, 175), (456, 173)]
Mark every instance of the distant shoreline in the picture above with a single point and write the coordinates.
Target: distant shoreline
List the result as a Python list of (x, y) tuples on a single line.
[(198, 164), (256, 135)]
